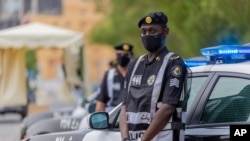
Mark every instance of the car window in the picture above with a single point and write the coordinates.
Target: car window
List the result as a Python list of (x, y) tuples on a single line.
[(229, 101), (195, 87)]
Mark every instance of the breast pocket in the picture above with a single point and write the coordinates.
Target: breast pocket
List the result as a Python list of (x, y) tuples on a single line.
[(140, 98)]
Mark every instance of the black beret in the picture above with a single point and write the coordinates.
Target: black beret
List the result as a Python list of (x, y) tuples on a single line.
[(154, 18), (124, 47)]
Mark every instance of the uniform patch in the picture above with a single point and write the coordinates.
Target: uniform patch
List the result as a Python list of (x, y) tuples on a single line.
[(125, 84), (158, 58), (117, 86), (176, 71), (116, 73), (151, 80), (174, 82), (136, 80)]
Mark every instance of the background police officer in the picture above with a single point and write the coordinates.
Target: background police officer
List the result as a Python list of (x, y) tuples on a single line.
[(154, 83), (113, 81)]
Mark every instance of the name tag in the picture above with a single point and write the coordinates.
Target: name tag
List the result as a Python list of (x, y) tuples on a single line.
[(117, 86)]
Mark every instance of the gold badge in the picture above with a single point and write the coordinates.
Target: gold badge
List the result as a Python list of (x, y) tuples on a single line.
[(151, 80), (125, 47), (158, 58), (148, 20), (176, 71)]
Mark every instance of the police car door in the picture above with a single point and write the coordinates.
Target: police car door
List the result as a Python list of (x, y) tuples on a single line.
[(103, 135)]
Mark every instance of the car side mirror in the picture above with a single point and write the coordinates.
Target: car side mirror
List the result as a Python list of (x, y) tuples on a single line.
[(99, 120)]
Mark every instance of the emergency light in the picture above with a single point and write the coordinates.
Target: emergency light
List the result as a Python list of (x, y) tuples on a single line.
[(225, 54), (196, 61)]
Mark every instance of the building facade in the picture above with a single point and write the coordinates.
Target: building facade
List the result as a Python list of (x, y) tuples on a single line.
[(78, 15)]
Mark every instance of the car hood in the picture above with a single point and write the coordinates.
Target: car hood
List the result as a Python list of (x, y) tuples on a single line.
[(62, 136), (54, 125)]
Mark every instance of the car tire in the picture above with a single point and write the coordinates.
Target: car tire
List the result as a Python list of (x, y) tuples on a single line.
[(24, 112)]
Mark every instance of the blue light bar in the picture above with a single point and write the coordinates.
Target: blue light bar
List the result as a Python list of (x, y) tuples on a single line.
[(225, 49), (227, 54), (196, 61)]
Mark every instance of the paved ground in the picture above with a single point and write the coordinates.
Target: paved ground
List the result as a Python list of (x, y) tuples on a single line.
[(10, 126)]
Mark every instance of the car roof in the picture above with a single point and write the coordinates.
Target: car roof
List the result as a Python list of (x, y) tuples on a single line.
[(243, 67)]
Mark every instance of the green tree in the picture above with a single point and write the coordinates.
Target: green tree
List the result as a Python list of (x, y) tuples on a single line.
[(31, 60), (193, 24)]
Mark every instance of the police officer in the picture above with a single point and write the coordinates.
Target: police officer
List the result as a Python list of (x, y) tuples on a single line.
[(152, 106), (113, 81)]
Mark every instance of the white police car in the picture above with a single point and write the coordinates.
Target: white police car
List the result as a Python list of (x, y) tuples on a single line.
[(219, 97)]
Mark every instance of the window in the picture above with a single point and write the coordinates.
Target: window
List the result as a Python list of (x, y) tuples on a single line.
[(27, 6), (195, 87), (50, 7), (9, 9), (9, 13), (229, 101), (7, 23)]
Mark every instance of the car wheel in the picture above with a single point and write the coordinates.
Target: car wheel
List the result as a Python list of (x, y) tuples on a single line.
[(24, 112)]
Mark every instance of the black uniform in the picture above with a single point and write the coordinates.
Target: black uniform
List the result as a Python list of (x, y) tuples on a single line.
[(141, 98), (110, 92)]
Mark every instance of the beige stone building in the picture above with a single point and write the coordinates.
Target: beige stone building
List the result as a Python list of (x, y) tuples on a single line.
[(83, 16)]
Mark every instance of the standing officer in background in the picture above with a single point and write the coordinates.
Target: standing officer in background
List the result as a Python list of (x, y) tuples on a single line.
[(152, 106), (113, 81)]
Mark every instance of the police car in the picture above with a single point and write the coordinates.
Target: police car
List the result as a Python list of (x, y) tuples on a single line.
[(30, 120), (219, 97), (65, 119)]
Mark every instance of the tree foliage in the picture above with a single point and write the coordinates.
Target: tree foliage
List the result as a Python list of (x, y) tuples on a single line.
[(30, 57), (193, 24)]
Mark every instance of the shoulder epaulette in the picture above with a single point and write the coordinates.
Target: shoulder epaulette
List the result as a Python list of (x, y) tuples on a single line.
[(174, 57)]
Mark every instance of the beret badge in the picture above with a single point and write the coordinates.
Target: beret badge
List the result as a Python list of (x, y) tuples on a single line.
[(125, 47), (148, 20)]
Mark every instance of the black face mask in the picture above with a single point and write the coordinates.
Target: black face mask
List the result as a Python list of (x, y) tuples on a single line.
[(152, 43), (123, 60)]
